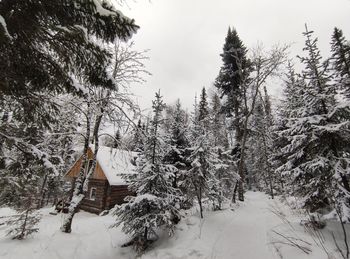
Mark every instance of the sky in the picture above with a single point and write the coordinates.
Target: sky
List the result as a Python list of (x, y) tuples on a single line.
[(185, 37)]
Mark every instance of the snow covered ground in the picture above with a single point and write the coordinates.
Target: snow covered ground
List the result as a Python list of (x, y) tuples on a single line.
[(249, 231)]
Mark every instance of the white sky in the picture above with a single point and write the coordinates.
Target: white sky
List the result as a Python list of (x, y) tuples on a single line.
[(185, 37)]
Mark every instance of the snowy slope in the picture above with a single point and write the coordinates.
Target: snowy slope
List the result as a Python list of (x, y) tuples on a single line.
[(243, 233)]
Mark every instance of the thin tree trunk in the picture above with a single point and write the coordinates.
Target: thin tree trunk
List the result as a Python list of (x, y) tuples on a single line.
[(78, 194), (199, 197), (234, 193), (42, 193)]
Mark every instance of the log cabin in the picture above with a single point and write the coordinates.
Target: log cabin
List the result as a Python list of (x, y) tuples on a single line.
[(106, 186)]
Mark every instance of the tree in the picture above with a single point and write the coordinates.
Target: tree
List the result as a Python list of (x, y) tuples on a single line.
[(289, 108), (117, 139), (34, 155), (65, 37), (231, 82), (260, 146), (200, 179), (98, 104), (318, 138), (341, 60), (178, 141), (137, 137), (25, 223), (155, 204), (203, 108), (66, 40), (218, 124)]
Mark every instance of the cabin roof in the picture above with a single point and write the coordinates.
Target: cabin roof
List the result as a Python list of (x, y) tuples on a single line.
[(112, 163), (116, 162)]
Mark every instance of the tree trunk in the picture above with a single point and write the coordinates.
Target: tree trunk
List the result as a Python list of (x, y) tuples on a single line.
[(42, 193), (234, 193), (199, 197), (78, 194)]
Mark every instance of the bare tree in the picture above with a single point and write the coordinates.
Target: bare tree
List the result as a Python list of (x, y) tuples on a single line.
[(113, 105), (265, 65)]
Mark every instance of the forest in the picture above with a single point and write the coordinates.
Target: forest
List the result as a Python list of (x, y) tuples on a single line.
[(65, 73)]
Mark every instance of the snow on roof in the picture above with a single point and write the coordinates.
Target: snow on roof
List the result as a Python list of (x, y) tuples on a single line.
[(116, 162)]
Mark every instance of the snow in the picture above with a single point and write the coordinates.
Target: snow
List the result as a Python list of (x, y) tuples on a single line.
[(247, 231), (4, 25), (146, 196), (115, 163)]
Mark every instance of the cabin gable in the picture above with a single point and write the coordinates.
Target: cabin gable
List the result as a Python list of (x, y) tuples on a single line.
[(100, 195), (75, 169)]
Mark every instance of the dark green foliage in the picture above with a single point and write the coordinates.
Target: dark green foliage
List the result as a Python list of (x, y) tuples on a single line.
[(50, 41), (316, 137), (233, 73), (341, 60), (156, 204), (203, 109)]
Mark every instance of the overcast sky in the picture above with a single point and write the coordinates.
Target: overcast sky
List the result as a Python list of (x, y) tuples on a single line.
[(185, 37)]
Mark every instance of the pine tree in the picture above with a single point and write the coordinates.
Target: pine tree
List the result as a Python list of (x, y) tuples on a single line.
[(156, 202), (341, 60)]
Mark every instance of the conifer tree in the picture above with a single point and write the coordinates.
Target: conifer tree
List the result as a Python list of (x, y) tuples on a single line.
[(341, 60), (178, 142), (155, 203), (25, 222), (61, 35), (318, 139), (117, 139), (218, 125), (289, 108), (200, 180), (137, 137), (232, 83)]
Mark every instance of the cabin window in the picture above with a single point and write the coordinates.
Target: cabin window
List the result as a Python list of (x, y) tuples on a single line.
[(93, 194)]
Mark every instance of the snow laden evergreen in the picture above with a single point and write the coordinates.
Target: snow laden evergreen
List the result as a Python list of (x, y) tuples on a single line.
[(231, 83), (218, 123), (290, 107), (177, 132), (156, 203), (340, 61), (34, 156), (260, 170), (25, 222), (317, 165), (201, 180)]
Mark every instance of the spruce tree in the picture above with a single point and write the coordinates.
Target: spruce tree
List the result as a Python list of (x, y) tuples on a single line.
[(318, 141), (155, 205), (341, 60), (61, 35), (232, 83), (200, 180), (218, 125), (178, 142)]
